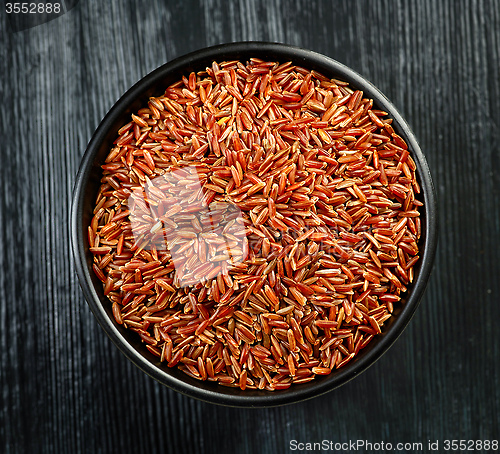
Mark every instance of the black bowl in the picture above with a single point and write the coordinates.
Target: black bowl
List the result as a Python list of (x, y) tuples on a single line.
[(88, 182)]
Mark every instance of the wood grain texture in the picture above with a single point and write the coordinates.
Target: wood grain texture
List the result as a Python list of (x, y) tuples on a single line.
[(64, 388)]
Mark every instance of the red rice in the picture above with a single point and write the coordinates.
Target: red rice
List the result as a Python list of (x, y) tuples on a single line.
[(256, 224)]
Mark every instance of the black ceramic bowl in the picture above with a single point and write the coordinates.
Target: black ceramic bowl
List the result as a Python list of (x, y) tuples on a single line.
[(88, 182)]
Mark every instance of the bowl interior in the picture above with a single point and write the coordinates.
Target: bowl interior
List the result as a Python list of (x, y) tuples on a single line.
[(88, 183)]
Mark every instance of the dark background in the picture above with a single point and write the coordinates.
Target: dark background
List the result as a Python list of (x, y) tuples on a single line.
[(64, 388)]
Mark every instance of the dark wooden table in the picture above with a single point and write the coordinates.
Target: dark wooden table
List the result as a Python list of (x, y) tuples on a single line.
[(64, 388)]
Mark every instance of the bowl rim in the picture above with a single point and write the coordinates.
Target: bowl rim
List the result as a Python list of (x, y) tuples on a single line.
[(226, 396)]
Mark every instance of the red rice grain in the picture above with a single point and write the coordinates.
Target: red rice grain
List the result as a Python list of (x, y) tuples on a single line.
[(310, 240)]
